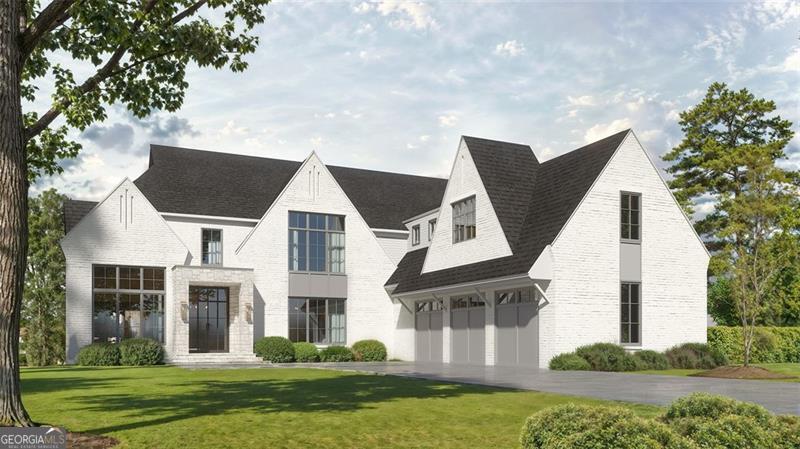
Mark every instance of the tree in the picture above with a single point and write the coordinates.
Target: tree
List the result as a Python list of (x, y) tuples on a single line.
[(43, 297), (139, 51)]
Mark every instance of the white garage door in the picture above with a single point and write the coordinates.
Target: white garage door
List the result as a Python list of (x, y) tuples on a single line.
[(517, 327), (428, 332), (467, 335)]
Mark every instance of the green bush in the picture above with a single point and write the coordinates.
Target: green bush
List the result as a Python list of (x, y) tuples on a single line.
[(306, 352), (648, 359), (336, 354), (595, 427), (275, 349), (729, 431), (710, 406), (369, 351), (770, 345), (607, 357), (695, 356), (99, 354), (569, 361), (140, 352)]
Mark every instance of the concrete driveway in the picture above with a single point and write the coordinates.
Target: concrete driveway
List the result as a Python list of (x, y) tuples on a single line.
[(779, 397)]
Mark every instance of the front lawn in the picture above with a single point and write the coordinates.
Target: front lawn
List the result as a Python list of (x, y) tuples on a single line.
[(791, 369), (169, 407)]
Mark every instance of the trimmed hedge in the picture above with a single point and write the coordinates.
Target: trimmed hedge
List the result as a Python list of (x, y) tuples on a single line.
[(695, 356), (369, 351), (306, 352), (697, 421), (99, 354), (607, 357), (336, 354), (275, 349), (569, 361), (140, 352), (647, 359), (770, 345)]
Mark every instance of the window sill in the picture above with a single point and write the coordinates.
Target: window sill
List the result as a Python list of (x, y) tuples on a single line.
[(317, 272)]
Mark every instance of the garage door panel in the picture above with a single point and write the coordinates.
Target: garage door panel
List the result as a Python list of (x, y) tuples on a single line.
[(477, 336), (459, 335), (506, 335), (436, 336), (422, 337), (528, 335), (517, 334)]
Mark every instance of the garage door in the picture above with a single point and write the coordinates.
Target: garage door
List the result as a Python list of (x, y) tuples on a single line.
[(467, 335), (428, 334), (517, 327)]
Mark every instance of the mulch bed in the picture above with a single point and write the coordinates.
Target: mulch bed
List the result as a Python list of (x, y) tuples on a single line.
[(77, 440), (742, 372)]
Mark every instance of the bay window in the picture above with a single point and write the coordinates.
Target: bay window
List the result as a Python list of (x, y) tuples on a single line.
[(316, 242)]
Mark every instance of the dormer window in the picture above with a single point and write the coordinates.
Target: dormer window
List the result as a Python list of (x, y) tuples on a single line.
[(431, 229), (415, 235), (464, 220), (212, 246)]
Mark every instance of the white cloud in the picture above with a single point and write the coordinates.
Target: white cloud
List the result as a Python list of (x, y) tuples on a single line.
[(650, 135), (509, 48), (407, 15), (673, 115), (447, 121), (602, 130), (585, 100), (775, 14), (365, 28), (231, 129), (635, 105), (362, 8), (792, 62), (424, 138), (316, 142), (723, 41)]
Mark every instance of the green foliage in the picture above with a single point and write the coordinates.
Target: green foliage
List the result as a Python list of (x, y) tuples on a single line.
[(770, 345), (569, 361), (726, 432), (607, 357), (595, 427), (275, 349), (695, 356), (139, 51), (336, 354), (43, 298), (653, 360), (306, 352), (140, 352), (369, 351), (99, 354), (713, 407), (720, 302)]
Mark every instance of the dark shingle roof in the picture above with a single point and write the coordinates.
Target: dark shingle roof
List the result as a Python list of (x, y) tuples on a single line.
[(74, 210), (185, 181), (560, 185)]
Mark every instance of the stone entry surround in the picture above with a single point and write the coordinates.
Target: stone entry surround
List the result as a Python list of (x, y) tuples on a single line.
[(239, 281)]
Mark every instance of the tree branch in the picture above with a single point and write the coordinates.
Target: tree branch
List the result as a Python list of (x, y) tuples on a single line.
[(188, 11), (51, 16)]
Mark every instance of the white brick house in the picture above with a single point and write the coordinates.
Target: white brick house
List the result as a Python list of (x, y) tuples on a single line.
[(509, 261)]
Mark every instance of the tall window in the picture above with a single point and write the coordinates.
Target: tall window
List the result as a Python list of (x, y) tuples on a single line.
[(415, 235), (128, 302), (464, 220), (631, 215), (431, 229), (212, 247), (316, 242), (631, 314), (314, 320)]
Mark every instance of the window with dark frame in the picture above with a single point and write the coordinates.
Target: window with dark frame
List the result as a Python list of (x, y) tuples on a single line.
[(316, 242), (464, 220), (631, 217), (212, 246), (415, 235), (630, 314), (127, 302), (431, 229), (317, 320)]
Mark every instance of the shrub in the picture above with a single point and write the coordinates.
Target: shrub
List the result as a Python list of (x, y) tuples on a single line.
[(275, 349), (99, 354), (369, 351), (140, 352), (648, 359), (336, 354), (729, 431), (306, 352), (711, 406), (695, 356), (607, 357), (770, 345), (583, 426), (569, 361)]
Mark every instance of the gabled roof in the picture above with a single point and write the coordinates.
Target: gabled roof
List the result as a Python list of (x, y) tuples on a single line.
[(74, 210), (560, 185), (186, 181)]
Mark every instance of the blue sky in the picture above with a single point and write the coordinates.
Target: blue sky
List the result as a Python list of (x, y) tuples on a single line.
[(393, 85)]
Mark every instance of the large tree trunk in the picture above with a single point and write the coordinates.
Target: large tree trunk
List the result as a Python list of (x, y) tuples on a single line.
[(13, 216)]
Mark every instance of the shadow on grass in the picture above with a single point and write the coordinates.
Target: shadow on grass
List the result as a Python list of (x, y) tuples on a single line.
[(338, 394)]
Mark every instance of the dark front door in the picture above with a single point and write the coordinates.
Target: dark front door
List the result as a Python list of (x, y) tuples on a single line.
[(208, 319)]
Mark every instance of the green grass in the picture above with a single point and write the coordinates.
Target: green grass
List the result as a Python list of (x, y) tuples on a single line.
[(169, 407), (791, 369)]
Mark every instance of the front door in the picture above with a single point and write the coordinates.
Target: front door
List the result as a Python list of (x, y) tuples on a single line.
[(208, 319)]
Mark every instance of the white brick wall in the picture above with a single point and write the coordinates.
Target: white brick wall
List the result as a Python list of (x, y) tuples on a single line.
[(395, 248), (189, 230), (585, 293), (490, 241)]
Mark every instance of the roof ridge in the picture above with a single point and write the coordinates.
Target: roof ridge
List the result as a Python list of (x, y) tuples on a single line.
[(625, 131), (498, 141)]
